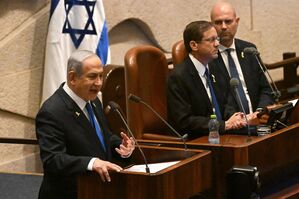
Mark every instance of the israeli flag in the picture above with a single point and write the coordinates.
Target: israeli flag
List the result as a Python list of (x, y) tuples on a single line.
[(74, 24)]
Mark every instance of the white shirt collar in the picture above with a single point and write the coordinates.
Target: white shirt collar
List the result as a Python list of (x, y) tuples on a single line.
[(201, 69), (222, 48), (79, 101)]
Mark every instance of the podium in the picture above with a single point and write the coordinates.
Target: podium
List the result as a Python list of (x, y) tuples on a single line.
[(190, 176)]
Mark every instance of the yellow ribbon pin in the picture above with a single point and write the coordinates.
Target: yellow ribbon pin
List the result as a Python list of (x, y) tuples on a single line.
[(214, 79)]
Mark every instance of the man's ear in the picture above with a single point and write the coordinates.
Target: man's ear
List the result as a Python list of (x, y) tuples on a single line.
[(193, 45), (72, 76), (237, 20)]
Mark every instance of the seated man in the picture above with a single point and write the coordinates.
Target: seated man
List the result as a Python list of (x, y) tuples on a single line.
[(192, 92), (72, 132)]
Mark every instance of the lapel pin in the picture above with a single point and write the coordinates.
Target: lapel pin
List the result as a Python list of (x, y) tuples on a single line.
[(242, 54), (77, 113), (214, 80)]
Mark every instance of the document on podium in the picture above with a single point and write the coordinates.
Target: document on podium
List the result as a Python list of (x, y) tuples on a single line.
[(154, 167), (294, 102)]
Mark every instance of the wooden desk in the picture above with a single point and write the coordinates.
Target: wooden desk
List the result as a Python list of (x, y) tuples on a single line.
[(185, 179), (276, 155)]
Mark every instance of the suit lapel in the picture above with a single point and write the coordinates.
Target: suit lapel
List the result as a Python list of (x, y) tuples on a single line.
[(242, 60), (199, 86), (80, 117), (73, 108), (219, 65)]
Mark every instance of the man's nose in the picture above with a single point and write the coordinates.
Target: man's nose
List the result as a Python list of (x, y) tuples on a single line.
[(223, 25), (98, 81)]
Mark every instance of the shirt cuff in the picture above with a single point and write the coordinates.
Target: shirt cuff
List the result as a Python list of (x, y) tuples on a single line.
[(259, 109), (90, 164)]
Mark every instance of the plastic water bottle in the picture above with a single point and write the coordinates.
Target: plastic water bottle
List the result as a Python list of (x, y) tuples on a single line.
[(214, 137)]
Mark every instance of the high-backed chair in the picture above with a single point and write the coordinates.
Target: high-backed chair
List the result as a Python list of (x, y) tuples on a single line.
[(178, 52), (146, 72), (113, 89)]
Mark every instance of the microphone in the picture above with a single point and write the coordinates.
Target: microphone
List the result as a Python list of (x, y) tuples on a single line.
[(253, 51), (234, 83), (116, 108), (137, 99)]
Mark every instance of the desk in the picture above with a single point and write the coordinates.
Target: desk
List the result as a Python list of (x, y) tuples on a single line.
[(191, 175), (276, 155)]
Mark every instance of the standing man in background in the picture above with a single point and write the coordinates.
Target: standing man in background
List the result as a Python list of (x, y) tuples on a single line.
[(72, 131), (254, 89)]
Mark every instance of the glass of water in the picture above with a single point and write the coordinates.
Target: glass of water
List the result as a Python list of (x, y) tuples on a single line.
[(263, 130)]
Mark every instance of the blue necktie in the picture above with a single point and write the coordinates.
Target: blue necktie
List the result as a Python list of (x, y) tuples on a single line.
[(95, 124), (214, 99), (234, 74)]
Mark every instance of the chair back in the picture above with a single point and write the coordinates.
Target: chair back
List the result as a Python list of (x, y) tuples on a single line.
[(146, 73), (113, 89), (179, 52)]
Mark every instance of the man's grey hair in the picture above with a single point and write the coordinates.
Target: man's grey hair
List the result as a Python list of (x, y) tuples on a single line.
[(75, 62)]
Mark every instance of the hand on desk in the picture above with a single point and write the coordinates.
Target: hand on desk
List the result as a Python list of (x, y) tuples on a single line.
[(261, 116), (103, 167), (236, 121), (253, 118)]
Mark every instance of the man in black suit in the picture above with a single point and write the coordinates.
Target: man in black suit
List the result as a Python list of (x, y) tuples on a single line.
[(192, 93), (256, 90), (73, 136)]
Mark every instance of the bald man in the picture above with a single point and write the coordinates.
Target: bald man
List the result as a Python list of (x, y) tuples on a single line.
[(256, 91)]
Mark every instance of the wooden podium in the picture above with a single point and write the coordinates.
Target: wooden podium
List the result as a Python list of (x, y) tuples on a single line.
[(184, 179), (276, 155)]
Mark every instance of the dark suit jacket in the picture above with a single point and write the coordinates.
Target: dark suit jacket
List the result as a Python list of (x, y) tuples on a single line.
[(67, 143), (189, 107), (258, 88)]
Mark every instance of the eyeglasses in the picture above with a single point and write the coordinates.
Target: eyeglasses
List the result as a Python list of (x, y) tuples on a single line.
[(212, 39)]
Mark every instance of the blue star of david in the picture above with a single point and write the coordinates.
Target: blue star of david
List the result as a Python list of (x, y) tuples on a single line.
[(77, 35)]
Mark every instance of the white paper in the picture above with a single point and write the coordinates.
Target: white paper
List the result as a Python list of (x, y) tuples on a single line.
[(293, 102), (154, 167)]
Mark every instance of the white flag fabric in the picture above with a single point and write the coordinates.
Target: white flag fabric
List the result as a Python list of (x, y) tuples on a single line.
[(74, 24)]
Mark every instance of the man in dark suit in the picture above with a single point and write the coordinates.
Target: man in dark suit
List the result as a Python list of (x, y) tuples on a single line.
[(72, 132), (256, 90), (192, 93)]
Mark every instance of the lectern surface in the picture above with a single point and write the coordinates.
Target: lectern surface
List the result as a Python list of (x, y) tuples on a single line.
[(189, 176)]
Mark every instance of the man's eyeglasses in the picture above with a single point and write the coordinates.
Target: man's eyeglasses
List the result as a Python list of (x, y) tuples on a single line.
[(212, 39)]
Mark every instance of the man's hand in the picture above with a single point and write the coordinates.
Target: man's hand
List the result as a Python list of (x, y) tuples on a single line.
[(236, 121), (127, 146), (103, 167), (253, 118)]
